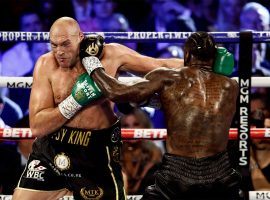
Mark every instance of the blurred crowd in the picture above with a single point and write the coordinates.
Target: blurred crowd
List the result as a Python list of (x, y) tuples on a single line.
[(141, 157)]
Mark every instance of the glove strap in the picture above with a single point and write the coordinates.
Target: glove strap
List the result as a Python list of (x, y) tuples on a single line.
[(91, 63), (69, 107)]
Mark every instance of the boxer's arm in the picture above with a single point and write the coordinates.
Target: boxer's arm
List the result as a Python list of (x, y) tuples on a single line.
[(130, 60), (44, 116), (130, 92)]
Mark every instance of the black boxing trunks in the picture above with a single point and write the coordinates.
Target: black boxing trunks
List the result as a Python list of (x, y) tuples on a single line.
[(83, 161), (186, 178)]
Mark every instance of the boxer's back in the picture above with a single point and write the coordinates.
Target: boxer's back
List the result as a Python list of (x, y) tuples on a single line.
[(199, 108)]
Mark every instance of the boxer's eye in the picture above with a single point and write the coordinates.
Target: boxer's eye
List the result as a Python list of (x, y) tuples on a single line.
[(53, 45), (66, 44)]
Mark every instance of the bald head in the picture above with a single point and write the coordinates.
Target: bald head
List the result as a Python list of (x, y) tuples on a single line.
[(65, 26), (65, 39)]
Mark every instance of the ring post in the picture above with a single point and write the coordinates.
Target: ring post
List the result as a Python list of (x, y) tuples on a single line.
[(244, 71)]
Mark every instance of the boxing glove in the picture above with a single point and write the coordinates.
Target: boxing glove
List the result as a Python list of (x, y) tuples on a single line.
[(83, 92), (224, 62), (92, 45)]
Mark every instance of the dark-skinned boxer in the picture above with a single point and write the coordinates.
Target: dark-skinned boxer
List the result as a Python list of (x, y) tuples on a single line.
[(199, 103)]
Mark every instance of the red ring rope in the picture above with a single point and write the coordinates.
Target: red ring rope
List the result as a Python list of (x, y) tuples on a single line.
[(25, 133)]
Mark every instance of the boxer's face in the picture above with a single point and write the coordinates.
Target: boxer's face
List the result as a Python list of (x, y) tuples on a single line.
[(65, 49)]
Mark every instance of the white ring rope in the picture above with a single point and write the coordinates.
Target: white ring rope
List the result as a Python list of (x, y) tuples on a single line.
[(16, 82), (26, 82)]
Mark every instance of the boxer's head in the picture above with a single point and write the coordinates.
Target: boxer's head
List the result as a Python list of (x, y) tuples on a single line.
[(65, 38), (200, 46)]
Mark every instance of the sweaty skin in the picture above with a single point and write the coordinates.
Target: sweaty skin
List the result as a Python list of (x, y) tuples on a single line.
[(198, 104), (56, 72)]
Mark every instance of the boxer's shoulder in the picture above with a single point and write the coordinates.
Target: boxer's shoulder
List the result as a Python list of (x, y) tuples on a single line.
[(45, 64), (114, 49)]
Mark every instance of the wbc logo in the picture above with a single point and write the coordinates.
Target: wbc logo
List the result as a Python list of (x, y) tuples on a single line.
[(35, 170)]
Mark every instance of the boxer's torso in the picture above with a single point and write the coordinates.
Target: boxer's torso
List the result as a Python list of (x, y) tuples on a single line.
[(96, 115), (198, 124)]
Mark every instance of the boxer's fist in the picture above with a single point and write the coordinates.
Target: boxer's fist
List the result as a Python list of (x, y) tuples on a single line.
[(91, 48), (224, 62), (92, 45), (83, 92)]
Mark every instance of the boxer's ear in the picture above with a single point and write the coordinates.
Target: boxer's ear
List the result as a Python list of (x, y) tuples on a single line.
[(186, 58), (81, 35)]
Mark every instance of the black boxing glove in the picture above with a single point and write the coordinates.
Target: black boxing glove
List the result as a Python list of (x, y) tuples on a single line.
[(92, 45), (91, 50)]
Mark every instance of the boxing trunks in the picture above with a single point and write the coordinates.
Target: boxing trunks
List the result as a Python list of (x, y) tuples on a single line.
[(186, 178), (83, 161)]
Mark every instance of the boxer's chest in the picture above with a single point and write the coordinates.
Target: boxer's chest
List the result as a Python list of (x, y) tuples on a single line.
[(62, 83)]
